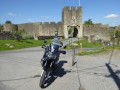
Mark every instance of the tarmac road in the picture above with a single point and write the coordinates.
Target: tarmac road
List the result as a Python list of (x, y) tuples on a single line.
[(20, 70)]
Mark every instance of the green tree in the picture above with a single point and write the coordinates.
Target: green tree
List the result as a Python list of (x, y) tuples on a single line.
[(89, 22), (117, 34), (1, 27), (8, 22), (70, 30), (18, 35), (114, 35)]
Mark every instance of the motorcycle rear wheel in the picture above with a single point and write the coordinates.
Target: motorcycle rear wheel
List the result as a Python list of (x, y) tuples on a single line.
[(43, 78)]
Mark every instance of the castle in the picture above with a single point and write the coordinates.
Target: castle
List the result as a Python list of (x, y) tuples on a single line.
[(70, 18)]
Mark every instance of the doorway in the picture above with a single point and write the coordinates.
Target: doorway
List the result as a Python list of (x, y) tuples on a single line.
[(75, 32)]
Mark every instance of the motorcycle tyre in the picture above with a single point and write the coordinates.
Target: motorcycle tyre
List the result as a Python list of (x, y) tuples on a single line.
[(42, 80)]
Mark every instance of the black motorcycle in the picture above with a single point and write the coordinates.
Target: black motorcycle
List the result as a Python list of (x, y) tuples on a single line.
[(50, 60)]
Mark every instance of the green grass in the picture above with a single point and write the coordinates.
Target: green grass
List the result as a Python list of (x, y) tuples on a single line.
[(85, 44), (21, 44), (64, 39), (94, 51)]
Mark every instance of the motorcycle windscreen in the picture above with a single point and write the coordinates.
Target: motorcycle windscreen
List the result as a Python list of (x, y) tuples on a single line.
[(54, 48)]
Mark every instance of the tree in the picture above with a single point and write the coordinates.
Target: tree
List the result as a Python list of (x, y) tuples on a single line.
[(18, 35), (116, 35), (1, 27), (8, 22), (70, 30), (89, 22)]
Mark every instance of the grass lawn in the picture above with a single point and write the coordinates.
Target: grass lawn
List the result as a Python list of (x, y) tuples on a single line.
[(13, 44), (85, 44), (94, 51)]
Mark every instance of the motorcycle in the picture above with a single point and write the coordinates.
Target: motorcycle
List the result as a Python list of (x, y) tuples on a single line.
[(50, 60)]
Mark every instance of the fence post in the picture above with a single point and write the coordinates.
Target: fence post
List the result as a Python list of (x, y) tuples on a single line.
[(80, 48), (73, 56), (89, 39), (103, 44)]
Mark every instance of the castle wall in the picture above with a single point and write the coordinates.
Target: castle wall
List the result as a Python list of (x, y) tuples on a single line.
[(52, 28), (59, 28), (97, 30), (37, 29), (118, 28), (10, 27), (28, 27)]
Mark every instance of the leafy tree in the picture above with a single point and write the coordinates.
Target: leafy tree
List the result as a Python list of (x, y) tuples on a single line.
[(89, 22), (114, 27), (18, 35), (114, 35), (1, 27), (8, 22), (70, 30), (117, 34)]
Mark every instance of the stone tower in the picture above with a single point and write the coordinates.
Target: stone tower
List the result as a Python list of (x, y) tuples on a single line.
[(72, 18)]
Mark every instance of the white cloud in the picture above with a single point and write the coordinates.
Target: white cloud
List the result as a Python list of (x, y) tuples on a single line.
[(113, 23), (11, 14), (45, 17), (112, 16), (30, 20)]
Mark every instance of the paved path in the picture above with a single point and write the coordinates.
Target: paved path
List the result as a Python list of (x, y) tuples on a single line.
[(18, 68)]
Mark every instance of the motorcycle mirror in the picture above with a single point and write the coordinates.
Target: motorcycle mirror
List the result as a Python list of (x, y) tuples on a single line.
[(45, 41), (43, 46), (64, 47), (63, 52)]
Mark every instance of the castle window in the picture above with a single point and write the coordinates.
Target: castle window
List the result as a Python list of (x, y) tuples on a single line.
[(73, 20)]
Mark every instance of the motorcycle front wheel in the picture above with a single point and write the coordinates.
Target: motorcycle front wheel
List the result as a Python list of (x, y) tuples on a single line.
[(43, 78)]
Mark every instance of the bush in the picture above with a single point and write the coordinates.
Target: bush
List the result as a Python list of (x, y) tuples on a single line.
[(70, 30), (18, 35), (8, 22), (29, 37), (1, 28)]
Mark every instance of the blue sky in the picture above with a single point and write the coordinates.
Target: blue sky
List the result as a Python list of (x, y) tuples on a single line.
[(23, 11)]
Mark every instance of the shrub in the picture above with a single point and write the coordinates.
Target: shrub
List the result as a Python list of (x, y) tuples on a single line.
[(1, 28), (28, 37), (8, 22), (18, 35), (70, 30)]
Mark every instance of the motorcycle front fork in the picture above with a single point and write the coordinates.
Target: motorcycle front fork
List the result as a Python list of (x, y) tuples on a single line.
[(47, 75)]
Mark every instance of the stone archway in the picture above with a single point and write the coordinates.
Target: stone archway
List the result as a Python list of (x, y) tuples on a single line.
[(75, 33)]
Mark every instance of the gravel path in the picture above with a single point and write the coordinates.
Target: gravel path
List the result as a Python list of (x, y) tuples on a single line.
[(18, 68)]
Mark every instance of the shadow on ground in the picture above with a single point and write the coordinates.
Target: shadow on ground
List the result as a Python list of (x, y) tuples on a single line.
[(114, 75)]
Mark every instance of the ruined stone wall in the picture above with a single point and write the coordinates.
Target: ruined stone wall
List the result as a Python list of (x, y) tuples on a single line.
[(97, 30), (52, 28), (59, 29), (6, 35), (10, 27), (28, 27), (37, 29), (118, 28)]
